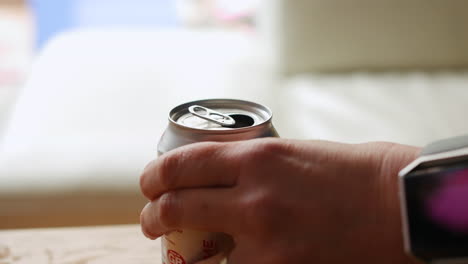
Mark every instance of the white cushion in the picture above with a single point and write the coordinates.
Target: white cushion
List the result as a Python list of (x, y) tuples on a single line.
[(409, 108), (96, 103)]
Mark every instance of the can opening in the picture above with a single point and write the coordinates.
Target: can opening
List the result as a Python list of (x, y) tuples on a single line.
[(242, 120)]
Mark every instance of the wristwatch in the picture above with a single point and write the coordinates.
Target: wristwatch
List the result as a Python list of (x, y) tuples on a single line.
[(434, 202)]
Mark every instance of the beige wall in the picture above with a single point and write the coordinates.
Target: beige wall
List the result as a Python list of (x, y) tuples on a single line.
[(342, 35)]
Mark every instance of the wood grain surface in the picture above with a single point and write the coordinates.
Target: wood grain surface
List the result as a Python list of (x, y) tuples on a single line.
[(78, 245)]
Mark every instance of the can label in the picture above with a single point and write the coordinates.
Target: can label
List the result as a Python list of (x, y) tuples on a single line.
[(174, 257), (189, 246)]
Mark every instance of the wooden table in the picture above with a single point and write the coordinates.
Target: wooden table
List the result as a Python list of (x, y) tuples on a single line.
[(78, 245)]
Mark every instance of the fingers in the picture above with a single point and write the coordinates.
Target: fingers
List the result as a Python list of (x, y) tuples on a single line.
[(199, 165), (196, 209)]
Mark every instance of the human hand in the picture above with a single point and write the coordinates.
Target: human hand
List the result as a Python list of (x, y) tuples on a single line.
[(283, 201)]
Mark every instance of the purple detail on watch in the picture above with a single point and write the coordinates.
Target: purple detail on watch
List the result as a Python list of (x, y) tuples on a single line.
[(448, 204)]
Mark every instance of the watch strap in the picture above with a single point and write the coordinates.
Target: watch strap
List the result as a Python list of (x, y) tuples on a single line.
[(445, 145)]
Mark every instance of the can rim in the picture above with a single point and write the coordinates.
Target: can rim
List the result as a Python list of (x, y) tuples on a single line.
[(262, 108)]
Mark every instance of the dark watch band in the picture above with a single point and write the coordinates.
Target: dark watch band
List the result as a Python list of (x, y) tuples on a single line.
[(445, 145)]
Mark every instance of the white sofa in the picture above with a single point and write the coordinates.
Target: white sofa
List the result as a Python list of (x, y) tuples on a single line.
[(92, 112), (96, 102)]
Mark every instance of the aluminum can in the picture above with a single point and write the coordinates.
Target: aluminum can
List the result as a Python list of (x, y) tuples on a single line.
[(208, 120)]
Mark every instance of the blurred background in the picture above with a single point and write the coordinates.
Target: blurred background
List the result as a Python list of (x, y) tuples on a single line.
[(16, 44), (27, 25), (86, 86)]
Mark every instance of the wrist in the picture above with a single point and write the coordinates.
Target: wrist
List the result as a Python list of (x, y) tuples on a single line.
[(394, 158), (383, 224)]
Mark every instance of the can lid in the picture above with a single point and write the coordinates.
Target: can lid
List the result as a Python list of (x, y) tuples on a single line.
[(220, 114)]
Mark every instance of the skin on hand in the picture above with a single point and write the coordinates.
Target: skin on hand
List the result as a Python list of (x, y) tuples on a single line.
[(283, 201)]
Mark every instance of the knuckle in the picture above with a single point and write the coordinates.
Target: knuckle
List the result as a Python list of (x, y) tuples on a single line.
[(271, 145), (266, 150), (204, 148), (276, 146), (259, 208), (168, 210), (167, 170), (206, 151), (171, 164), (264, 215)]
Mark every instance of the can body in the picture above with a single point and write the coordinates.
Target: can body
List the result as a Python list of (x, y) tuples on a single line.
[(186, 127)]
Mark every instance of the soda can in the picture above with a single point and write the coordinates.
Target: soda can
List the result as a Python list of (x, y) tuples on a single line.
[(219, 120)]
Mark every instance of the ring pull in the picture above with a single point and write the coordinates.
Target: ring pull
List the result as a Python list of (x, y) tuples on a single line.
[(212, 116)]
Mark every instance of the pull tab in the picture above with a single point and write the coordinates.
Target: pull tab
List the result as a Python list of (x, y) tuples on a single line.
[(212, 116)]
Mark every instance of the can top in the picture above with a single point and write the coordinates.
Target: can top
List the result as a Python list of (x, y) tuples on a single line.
[(220, 114)]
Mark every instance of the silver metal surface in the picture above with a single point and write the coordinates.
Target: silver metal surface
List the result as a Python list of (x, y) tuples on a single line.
[(212, 116), (430, 159), (404, 218), (185, 128)]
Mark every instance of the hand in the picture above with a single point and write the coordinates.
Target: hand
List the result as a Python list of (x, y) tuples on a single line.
[(283, 201)]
